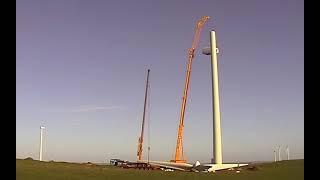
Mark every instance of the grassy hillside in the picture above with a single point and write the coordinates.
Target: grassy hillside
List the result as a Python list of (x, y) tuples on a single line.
[(35, 170)]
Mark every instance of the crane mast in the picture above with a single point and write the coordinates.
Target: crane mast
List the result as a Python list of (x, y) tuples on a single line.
[(179, 154), (140, 141)]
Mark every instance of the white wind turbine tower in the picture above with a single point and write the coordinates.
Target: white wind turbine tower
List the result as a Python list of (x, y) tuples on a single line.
[(287, 152), (279, 153), (275, 155), (41, 139)]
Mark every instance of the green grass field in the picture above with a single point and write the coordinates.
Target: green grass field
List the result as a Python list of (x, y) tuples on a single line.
[(35, 170)]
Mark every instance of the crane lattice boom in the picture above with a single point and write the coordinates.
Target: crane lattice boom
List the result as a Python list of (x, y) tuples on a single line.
[(179, 155), (140, 141)]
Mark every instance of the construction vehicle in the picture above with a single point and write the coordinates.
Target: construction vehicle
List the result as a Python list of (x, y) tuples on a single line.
[(116, 162), (139, 165), (140, 141), (179, 154)]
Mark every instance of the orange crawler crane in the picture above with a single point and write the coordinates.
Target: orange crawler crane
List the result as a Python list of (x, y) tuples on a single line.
[(140, 141), (179, 156)]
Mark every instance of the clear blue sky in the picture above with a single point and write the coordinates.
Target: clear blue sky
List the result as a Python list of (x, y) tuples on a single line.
[(81, 70)]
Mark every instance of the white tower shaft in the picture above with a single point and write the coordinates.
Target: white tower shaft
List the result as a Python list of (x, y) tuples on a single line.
[(217, 147), (279, 153), (41, 140)]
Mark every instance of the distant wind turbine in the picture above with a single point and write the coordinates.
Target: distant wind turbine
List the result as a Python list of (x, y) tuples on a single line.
[(279, 153), (287, 152), (41, 140)]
